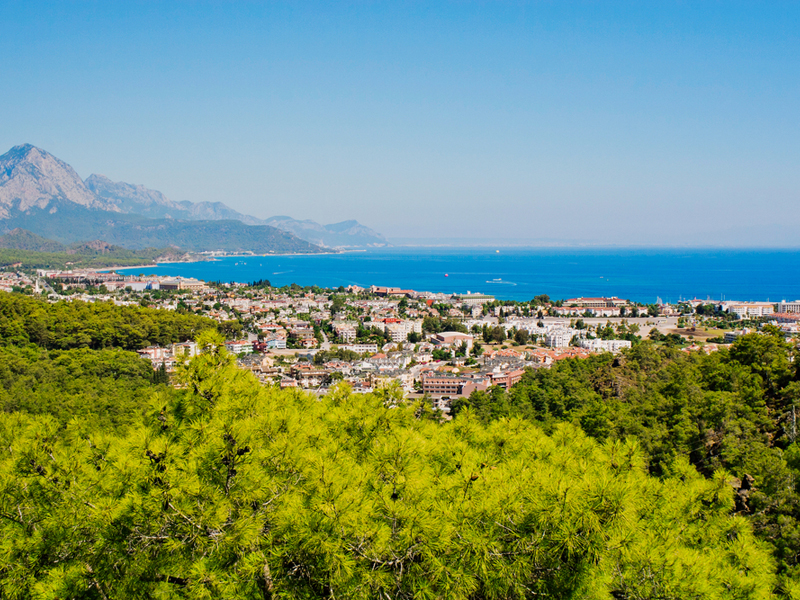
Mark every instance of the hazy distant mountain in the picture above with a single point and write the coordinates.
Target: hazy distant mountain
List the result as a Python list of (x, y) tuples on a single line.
[(67, 223), (214, 211), (344, 234), (139, 200), (45, 196), (136, 199)]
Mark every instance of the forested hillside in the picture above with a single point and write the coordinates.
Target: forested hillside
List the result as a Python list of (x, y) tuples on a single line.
[(735, 409), (579, 483), (231, 490), (66, 325)]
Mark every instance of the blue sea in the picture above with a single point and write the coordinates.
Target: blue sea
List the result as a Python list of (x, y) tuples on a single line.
[(522, 273)]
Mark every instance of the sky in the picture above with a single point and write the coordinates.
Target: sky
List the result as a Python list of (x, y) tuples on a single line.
[(625, 123)]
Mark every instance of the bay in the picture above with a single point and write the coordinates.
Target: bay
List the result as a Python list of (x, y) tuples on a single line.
[(522, 273)]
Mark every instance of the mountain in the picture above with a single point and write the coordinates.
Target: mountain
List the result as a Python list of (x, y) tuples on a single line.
[(32, 178), (66, 222), (35, 252), (22, 239), (137, 199), (45, 196), (338, 235)]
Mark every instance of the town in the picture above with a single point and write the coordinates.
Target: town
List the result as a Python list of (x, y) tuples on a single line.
[(435, 345)]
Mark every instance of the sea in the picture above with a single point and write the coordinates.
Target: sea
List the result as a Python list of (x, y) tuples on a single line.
[(641, 275)]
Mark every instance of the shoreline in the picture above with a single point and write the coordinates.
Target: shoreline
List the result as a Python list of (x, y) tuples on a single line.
[(649, 279), (217, 259)]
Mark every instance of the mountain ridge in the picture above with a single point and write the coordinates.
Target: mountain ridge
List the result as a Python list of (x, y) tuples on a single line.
[(44, 195), (137, 199), (68, 223)]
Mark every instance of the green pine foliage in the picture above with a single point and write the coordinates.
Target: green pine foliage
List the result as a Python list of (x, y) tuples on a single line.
[(108, 387), (609, 478), (734, 410), (227, 489)]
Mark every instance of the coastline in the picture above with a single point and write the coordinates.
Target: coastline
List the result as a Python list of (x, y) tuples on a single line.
[(666, 276), (217, 259)]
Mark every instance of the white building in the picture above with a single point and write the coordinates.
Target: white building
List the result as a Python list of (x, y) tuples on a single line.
[(398, 332), (745, 310), (361, 348), (448, 339), (732, 336), (789, 307), (476, 299), (558, 338), (276, 343), (239, 347), (345, 330), (598, 345)]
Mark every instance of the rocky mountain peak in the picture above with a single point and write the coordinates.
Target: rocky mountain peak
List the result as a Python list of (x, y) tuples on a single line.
[(33, 178)]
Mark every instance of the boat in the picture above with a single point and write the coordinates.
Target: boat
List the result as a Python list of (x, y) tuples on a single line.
[(500, 281)]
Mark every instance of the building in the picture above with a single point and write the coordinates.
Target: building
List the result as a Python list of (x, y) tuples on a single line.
[(745, 310), (304, 337), (596, 302), (785, 317), (558, 338), (307, 375), (398, 330), (594, 311), (506, 379), (183, 284), (345, 330), (789, 307), (598, 345), (732, 336), (447, 339), (440, 384), (187, 349), (390, 291), (361, 348), (140, 286), (477, 299), (275, 343), (239, 347)]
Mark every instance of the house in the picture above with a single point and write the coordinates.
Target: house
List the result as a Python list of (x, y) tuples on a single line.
[(275, 343), (185, 349)]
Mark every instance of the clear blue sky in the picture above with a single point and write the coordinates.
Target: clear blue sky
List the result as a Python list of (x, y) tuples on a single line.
[(628, 123)]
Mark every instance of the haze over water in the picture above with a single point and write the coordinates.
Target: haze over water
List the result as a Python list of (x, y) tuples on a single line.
[(522, 273)]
